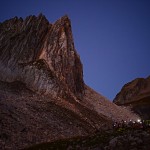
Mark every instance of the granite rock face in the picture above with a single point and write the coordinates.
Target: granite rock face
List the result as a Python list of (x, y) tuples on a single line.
[(137, 95), (34, 51)]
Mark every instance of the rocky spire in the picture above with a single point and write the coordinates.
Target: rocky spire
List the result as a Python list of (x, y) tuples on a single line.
[(29, 42), (61, 56)]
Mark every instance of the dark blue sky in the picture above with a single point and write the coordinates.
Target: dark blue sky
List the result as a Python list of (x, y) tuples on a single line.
[(112, 37)]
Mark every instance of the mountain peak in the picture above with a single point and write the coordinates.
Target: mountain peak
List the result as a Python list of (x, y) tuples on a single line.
[(34, 39), (64, 19), (42, 92)]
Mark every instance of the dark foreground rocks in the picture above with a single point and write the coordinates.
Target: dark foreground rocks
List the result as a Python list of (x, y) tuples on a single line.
[(121, 139)]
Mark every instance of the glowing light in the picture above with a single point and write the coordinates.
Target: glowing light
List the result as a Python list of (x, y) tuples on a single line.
[(138, 120)]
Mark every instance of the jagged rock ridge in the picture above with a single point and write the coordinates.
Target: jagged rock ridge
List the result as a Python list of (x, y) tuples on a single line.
[(32, 50), (42, 93), (137, 95)]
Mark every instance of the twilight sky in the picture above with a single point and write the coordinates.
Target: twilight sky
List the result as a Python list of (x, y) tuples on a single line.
[(112, 37)]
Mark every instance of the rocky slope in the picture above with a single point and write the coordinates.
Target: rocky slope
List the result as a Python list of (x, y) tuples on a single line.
[(136, 94), (42, 93)]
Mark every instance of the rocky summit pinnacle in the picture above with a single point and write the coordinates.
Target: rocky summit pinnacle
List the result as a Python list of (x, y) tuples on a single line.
[(42, 93), (33, 50)]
